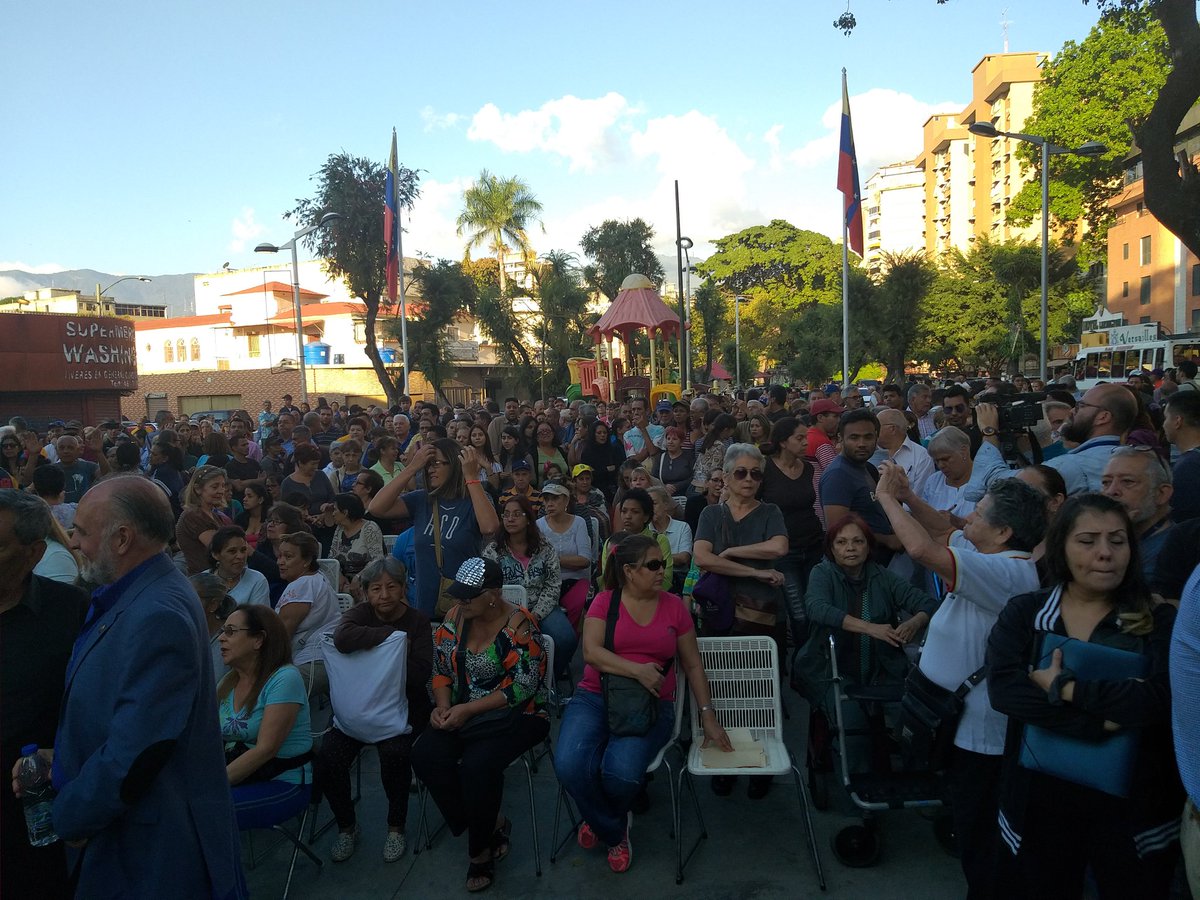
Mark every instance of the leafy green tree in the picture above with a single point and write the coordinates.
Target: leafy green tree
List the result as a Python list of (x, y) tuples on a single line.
[(496, 210), (564, 319), (1172, 180), (353, 247), (446, 292), (617, 250), (711, 323), (499, 320), (1091, 91), (889, 329)]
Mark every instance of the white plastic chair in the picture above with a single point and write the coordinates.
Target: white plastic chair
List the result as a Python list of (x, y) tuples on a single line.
[(743, 678), (332, 570), (389, 541), (530, 761), (660, 759), (345, 601), (516, 595)]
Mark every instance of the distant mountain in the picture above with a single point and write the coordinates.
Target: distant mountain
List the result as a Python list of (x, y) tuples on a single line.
[(176, 292)]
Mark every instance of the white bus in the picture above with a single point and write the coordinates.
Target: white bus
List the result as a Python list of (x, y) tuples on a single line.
[(1116, 353)]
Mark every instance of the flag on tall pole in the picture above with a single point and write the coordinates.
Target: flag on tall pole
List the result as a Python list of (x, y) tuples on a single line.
[(393, 231), (848, 178), (391, 224)]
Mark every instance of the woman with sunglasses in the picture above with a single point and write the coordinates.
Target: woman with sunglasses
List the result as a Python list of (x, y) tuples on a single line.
[(604, 773), (741, 538), (450, 515)]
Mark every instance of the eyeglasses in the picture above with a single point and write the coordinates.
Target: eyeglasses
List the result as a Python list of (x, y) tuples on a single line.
[(1079, 403), (654, 565), (436, 463), (513, 514), (743, 474), (231, 630), (1127, 449)]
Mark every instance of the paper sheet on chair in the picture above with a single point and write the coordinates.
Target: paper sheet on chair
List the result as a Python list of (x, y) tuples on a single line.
[(747, 752)]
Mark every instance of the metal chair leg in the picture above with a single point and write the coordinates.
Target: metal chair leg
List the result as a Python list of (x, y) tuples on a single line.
[(537, 854), (298, 846), (563, 800), (813, 849)]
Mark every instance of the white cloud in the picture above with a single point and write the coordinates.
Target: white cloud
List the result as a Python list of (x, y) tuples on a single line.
[(887, 128), (582, 131), (435, 121), (430, 229), (245, 229), (771, 139), (39, 269)]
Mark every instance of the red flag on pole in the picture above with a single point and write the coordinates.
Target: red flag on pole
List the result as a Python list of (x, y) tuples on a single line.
[(848, 178)]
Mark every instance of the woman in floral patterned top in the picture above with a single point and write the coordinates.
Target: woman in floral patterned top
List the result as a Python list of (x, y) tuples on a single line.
[(527, 559), (488, 673)]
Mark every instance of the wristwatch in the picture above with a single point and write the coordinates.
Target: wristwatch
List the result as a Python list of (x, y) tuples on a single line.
[(989, 431), (707, 708)]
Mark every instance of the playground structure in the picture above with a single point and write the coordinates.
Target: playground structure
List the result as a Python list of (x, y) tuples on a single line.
[(638, 307)]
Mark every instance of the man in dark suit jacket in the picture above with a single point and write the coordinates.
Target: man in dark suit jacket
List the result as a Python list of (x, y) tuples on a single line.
[(143, 798)]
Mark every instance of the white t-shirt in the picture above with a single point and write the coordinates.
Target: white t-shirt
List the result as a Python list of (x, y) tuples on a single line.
[(322, 616), (57, 564), (942, 496), (251, 588), (679, 535), (956, 642), (634, 442)]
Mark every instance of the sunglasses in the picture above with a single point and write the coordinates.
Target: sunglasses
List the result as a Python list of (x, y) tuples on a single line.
[(743, 474), (654, 565)]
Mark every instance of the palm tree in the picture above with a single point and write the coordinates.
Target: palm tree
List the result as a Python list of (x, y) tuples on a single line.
[(496, 210)]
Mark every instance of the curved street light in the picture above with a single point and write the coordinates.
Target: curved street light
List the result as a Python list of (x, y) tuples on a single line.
[(100, 293), (685, 314), (1048, 149), (291, 245)]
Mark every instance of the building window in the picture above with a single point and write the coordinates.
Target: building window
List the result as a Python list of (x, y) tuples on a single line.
[(195, 349), (1145, 294), (181, 350), (1125, 250), (168, 352), (253, 349), (1144, 320), (1196, 280), (1195, 319), (1145, 242), (1124, 288)]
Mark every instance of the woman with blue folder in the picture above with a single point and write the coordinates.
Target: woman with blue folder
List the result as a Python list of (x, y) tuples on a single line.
[(1081, 671)]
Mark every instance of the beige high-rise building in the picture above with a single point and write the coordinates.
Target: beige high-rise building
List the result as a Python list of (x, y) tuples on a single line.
[(970, 181), (894, 199)]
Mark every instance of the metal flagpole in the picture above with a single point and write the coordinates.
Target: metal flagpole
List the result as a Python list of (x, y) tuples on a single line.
[(845, 303), (403, 304)]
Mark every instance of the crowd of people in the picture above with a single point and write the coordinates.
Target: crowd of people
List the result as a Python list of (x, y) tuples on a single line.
[(240, 569)]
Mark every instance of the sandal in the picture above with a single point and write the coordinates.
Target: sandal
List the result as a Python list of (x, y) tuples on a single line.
[(477, 870), (502, 840)]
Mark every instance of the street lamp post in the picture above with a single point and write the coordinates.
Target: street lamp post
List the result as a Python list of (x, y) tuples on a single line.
[(685, 315), (100, 293), (291, 245), (737, 341), (1088, 148)]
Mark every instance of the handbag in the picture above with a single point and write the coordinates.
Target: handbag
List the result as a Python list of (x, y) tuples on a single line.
[(445, 602), (368, 688), (929, 715), (712, 593), (492, 723), (630, 709)]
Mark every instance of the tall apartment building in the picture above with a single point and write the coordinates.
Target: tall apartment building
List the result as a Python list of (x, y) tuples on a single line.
[(894, 198), (1152, 277), (970, 181)]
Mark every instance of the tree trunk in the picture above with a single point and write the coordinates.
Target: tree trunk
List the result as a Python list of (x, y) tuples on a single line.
[(1172, 184), (372, 351)]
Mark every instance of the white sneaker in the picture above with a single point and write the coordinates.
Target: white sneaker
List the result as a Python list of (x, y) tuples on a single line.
[(345, 844), (393, 847)]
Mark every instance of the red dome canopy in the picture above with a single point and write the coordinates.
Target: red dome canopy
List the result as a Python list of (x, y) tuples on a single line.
[(637, 306)]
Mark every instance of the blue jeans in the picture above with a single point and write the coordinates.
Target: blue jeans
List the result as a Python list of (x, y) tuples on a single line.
[(559, 627), (603, 774)]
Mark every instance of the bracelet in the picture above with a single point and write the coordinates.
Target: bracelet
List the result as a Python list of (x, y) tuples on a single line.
[(707, 708), (475, 481), (1054, 694)]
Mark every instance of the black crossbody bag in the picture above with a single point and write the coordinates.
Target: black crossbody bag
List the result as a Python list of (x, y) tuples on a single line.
[(630, 709), (929, 715)]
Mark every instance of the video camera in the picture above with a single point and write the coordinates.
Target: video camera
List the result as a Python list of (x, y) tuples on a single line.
[(1018, 412)]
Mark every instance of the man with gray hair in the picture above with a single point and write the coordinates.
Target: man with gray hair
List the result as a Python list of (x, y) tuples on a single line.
[(138, 738), (920, 403), (897, 447), (1138, 479), (39, 619), (402, 429)]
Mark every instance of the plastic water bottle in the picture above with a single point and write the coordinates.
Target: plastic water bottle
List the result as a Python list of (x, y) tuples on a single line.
[(37, 795)]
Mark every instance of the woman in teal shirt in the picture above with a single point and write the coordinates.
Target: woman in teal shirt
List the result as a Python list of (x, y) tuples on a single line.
[(264, 719)]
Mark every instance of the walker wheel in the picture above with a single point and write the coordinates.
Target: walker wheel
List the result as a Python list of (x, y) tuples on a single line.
[(857, 846)]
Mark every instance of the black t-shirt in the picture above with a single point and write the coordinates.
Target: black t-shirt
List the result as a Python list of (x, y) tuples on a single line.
[(696, 504), (239, 471), (796, 499)]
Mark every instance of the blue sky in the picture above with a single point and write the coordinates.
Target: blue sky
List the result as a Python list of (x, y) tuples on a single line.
[(169, 137)]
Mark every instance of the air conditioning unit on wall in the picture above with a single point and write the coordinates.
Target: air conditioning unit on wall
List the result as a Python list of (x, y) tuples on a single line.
[(339, 359)]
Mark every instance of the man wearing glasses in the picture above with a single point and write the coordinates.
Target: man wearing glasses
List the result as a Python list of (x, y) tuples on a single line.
[(1096, 425), (1138, 479)]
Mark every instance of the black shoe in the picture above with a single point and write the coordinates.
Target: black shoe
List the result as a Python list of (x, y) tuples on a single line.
[(759, 786), (722, 785)]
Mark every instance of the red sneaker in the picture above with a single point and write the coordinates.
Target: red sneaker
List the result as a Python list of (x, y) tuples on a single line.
[(586, 838), (620, 857)]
